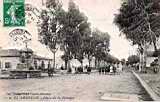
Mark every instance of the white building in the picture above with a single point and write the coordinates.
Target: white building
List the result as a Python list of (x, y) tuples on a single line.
[(14, 59), (152, 54)]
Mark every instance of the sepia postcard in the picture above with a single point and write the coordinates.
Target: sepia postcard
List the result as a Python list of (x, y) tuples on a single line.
[(79, 50)]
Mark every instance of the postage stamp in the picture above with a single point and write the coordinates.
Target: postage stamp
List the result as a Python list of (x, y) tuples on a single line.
[(13, 13)]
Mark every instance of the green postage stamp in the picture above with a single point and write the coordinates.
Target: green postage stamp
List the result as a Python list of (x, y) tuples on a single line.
[(13, 13)]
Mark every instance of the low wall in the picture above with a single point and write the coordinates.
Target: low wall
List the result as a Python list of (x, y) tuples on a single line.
[(25, 74)]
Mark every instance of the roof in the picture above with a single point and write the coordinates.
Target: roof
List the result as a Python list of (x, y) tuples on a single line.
[(26, 50), (9, 53), (16, 53), (41, 58)]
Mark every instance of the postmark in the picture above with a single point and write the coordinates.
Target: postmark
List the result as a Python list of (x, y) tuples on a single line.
[(13, 13), (32, 14), (20, 36)]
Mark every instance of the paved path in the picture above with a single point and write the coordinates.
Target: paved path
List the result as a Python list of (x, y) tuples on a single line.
[(76, 87)]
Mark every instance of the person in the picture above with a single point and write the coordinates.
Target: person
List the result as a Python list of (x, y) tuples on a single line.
[(12, 12), (69, 70), (88, 70), (137, 66), (31, 68), (114, 68), (80, 69), (116, 65), (109, 65), (106, 67), (111, 68), (103, 70), (120, 67), (62, 67), (50, 72), (156, 66), (40, 68)]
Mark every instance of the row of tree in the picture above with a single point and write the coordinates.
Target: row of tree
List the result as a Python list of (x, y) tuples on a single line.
[(139, 21), (71, 31)]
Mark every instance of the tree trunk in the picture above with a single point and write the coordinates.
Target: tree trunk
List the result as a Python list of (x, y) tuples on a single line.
[(82, 65), (66, 64), (143, 65), (143, 56), (69, 64), (98, 63), (141, 61), (89, 63), (54, 60), (89, 60), (155, 46), (95, 62)]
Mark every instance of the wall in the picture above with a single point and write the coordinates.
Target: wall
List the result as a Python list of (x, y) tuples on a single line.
[(45, 62), (150, 60), (13, 60)]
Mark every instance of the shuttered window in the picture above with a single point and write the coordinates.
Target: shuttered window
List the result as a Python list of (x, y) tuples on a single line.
[(7, 65)]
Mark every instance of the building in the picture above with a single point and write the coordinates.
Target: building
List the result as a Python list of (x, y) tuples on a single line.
[(152, 54), (11, 59)]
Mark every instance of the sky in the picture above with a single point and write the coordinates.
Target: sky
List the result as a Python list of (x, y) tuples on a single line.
[(100, 14)]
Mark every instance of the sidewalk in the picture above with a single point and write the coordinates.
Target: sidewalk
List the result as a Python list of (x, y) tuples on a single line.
[(148, 89), (153, 81), (129, 96)]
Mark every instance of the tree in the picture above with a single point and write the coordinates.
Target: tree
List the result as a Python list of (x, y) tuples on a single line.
[(123, 61), (50, 27), (102, 41), (96, 45), (88, 47), (133, 59), (74, 25), (139, 21), (85, 31)]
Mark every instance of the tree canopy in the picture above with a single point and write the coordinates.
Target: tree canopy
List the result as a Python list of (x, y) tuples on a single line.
[(133, 59), (72, 32), (139, 21)]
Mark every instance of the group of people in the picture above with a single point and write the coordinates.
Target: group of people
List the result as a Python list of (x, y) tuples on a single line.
[(111, 68), (78, 70), (108, 68), (86, 69)]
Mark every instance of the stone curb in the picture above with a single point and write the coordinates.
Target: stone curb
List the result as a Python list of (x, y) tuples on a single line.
[(151, 93)]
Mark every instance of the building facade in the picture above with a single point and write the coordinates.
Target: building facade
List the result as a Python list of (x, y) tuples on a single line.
[(152, 54), (11, 59)]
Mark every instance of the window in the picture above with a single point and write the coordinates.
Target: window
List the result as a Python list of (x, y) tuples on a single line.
[(43, 64), (49, 65), (7, 65), (35, 65), (23, 59)]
